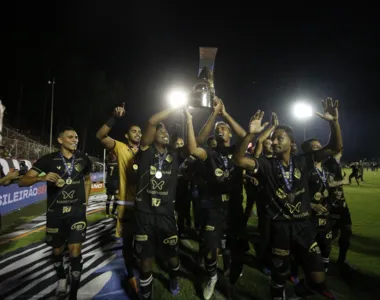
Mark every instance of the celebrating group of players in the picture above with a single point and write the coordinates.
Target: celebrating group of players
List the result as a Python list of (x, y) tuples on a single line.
[(300, 201)]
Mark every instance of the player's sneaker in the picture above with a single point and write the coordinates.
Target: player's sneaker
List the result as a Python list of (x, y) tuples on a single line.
[(208, 291), (61, 287)]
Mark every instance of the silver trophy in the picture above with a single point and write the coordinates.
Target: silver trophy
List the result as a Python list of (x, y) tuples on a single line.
[(203, 91)]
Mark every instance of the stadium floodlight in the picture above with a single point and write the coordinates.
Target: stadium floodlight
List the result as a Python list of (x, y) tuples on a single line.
[(177, 98), (302, 110)]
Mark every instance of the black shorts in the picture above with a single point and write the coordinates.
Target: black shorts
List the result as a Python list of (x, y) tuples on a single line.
[(155, 235), (214, 227), (340, 217), (323, 234), (71, 230), (112, 187), (128, 225), (295, 238)]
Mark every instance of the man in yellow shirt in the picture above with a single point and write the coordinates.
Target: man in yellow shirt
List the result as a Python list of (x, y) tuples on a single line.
[(125, 153)]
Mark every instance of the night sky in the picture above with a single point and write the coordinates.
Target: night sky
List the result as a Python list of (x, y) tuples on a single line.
[(102, 54)]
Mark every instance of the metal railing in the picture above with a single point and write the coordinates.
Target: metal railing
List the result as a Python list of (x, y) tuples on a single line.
[(20, 146)]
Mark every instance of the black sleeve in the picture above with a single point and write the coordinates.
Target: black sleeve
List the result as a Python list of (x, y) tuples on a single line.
[(263, 165), (87, 165), (42, 164), (308, 159), (332, 167)]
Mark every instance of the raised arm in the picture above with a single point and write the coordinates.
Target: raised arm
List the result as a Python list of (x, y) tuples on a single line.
[(331, 115), (102, 134), (193, 149), (2, 110), (235, 126), (265, 135), (150, 129), (255, 128), (209, 126)]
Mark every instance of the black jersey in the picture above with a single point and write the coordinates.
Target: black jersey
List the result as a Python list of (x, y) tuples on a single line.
[(223, 180), (334, 170), (157, 180), (286, 187), (70, 199), (318, 189)]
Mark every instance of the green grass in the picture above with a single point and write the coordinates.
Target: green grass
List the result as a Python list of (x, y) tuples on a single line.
[(40, 235), (364, 203), (10, 221)]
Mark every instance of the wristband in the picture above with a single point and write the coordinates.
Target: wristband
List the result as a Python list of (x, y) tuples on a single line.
[(111, 121)]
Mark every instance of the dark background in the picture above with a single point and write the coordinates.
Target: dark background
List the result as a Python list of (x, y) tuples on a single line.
[(102, 53)]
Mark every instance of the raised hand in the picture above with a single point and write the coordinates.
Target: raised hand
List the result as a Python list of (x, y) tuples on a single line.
[(218, 105), (188, 115), (255, 125), (119, 111), (2, 109), (223, 112), (274, 120), (330, 110)]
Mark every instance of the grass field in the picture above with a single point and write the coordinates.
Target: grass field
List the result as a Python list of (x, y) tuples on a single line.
[(364, 203)]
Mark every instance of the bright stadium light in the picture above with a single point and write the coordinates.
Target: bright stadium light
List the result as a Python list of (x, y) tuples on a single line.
[(177, 98), (302, 110)]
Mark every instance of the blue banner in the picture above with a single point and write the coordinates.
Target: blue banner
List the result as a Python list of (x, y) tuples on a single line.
[(13, 197), (97, 177)]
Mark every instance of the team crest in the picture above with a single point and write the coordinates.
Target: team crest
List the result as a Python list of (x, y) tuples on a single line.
[(281, 194), (297, 173), (153, 170), (78, 167)]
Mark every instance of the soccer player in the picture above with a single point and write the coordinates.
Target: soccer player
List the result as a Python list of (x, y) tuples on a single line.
[(112, 182), (221, 197), (156, 229), (125, 152), (320, 202), (67, 174), (285, 179), (340, 213)]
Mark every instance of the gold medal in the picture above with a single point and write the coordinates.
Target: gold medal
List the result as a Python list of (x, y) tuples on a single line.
[(69, 181), (60, 182), (297, 173), (326, 193), (219, 172), (135, 167), (318, 196), (158, 174)]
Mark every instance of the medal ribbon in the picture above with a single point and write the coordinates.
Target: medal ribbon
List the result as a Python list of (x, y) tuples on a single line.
[(70, 169), (225, 161), (288, 181), (161, 158), (323, 176)]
